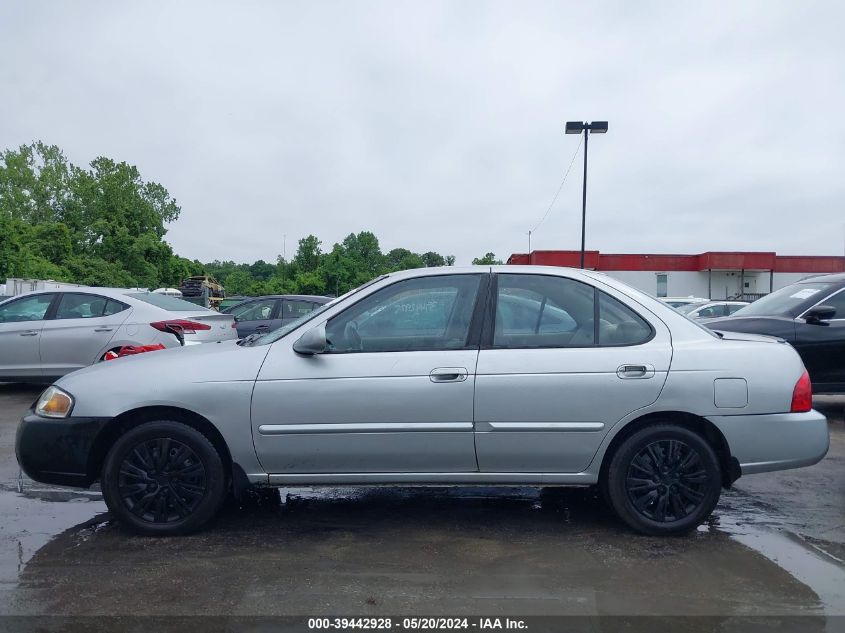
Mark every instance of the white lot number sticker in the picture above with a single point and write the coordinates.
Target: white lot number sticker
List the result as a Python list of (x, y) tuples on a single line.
[(804, 294)]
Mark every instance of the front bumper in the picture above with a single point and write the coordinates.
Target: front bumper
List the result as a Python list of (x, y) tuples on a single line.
[(763, 443), (58, 451)]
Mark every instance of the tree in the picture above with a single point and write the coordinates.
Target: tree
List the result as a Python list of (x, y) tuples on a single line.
[(488, 259), (431, 259)]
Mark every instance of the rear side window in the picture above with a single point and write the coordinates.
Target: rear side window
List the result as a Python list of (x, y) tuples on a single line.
[(543, 311), (260, 310), (85, 306), (619, 325), (536, 311), (293, 309), (165, 302)]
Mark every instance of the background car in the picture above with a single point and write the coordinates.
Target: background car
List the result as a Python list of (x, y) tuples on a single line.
[(45, 335), (810, 315), (264, 314), (677, 302), (439, 376), (230, 302), (711, 309)]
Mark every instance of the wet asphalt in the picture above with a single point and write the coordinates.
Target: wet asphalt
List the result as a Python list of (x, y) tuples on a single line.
[(775, 546)]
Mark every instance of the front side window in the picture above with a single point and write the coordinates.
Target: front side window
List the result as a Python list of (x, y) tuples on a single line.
[(836, 301), (426, 313), (27, 309), (260, 310), (84, 306)]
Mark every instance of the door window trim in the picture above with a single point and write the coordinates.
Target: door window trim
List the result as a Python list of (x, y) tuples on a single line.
[(490, 316), (475, 325)]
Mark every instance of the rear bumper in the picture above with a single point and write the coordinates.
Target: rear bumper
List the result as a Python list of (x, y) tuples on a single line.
[(763, 443), (57, 451)]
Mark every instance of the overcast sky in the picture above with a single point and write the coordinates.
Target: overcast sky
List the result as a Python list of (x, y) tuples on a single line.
[(439, 125)]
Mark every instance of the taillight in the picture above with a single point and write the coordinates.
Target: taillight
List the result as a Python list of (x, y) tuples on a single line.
[(181, 325), (234, 324), (802, 395)]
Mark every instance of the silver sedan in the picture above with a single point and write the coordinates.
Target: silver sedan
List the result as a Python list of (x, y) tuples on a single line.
[(486, 375)]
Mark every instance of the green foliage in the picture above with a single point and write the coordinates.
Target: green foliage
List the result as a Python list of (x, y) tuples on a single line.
[(100, 226), (105, 226), (489, 259)]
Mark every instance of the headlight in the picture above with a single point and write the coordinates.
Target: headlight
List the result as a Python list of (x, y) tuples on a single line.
[(54, 403)]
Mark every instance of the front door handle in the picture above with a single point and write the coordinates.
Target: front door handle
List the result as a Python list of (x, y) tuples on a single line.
[(30, 333), (103, 329), (448, 374), (635, 371)]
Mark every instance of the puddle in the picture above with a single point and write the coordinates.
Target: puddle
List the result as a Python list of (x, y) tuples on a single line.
[(760, 528)]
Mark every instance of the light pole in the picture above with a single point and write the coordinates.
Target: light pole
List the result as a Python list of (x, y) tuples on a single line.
[(576, 127)]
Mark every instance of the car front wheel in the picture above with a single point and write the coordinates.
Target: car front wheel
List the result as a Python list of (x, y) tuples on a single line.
[(163, 478), (664, 479)]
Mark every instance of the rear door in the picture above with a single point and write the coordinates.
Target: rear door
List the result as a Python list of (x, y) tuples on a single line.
[(560, 364), (78, 330), (21, 323), (292, 309)]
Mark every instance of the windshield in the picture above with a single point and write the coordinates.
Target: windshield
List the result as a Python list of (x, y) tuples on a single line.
[(166, 302), (275, 335), (783, 301)]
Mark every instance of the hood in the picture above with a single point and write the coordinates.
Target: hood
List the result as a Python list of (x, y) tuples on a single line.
[(210, 362)]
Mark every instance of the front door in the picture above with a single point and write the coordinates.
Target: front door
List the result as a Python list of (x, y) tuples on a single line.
[(562, 363), (394, 392), (21, 322), (822, 346)]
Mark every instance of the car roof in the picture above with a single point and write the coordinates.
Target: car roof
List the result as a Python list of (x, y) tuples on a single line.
[(295, 297), (831, 278)]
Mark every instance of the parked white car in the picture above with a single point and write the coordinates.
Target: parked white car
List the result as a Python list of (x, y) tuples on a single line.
[(677, 302), (711, 309), (44, 335), (503, 375)]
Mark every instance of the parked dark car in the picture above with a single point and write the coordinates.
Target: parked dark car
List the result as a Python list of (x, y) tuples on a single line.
[(263, 314), (810, 315)]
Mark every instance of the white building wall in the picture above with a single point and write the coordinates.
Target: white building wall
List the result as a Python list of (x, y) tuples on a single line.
[(723, 284)]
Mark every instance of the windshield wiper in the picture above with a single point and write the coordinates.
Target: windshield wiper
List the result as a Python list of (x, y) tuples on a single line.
[(247, 340)]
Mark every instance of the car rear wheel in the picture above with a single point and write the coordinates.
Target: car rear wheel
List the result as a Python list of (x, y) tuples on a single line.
[(163, 478), (663, 479)]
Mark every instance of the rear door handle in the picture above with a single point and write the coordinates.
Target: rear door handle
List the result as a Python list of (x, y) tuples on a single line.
[(30, 333), (448, 374), (635, 371), (103, 329)]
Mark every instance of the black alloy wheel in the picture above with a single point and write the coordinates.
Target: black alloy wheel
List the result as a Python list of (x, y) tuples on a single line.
[(666, 481), (164, 478), (663, 479)]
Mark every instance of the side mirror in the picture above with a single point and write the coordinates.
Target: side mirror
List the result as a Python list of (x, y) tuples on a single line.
[(312, 342), (816, 315)]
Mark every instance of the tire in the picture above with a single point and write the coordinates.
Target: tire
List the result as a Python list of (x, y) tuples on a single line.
[(663, 480), (174, 495)]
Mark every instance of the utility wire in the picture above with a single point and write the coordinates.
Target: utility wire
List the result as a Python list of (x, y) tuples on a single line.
[(562, 182)]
